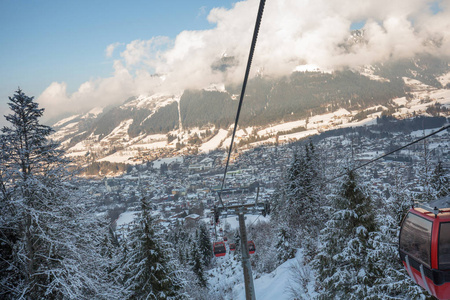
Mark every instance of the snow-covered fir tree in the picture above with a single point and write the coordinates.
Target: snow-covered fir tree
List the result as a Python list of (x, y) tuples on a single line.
[(283, 246), (4, 170), (204, 244), (187, 242), (181, 238), (298, 204), (47, 253), (148, 267), (424, 175), (392, 282), (400, 197), (440, 181), (197, 266), (344, 266)]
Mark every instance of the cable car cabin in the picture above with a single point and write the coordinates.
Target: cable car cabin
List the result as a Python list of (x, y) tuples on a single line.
[(219, 249), (251, 247), (425, 249), (232, 247), (225, 239)]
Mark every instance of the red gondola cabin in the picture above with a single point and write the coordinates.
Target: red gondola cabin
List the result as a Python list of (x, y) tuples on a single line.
[(232, 247), (425, 249), (225, 239), (219, 249), (251, 247)]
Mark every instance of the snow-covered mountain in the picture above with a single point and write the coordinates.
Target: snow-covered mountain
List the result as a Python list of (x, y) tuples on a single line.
[(274, 111)]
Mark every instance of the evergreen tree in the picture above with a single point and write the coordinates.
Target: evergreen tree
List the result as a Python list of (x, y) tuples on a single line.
[(4, 170), (344, 267), (149, 272), (392, 282), (46, 250), (197, 266), (440, 181), (298, 204), (284, 249), (204, 244), (400, 200), (425, 173)]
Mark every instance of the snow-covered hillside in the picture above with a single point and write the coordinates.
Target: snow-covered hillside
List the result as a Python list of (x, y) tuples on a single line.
[(118, 146)]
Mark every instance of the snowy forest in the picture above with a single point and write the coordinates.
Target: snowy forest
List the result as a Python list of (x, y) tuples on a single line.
[(54, 245)]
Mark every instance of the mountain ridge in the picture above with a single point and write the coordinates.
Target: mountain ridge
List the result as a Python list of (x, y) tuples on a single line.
[(275, 110)]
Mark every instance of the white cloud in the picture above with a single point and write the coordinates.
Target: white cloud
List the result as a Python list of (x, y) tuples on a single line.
[(110, 49), (139, 51), (292, 32)]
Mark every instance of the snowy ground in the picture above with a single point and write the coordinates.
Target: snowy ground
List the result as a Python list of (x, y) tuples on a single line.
[(282, 127), (227, 280), (214, 142), (122, 157), (126, 217), (157, 163), (275, 285)]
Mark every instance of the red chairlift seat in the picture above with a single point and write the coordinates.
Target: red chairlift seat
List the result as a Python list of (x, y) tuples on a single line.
[(251, 247), (219, 249), (425, 248), (232, 247)]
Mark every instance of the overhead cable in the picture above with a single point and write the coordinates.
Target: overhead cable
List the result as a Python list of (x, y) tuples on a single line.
[(244, 84)]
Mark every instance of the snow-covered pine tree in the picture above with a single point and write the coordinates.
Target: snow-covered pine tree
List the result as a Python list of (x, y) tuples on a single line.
[(197, 266), (284, 249), (343, 266), (181, 238), (47, 252), (4, 170), (400, 197), (204, 245), (298, 204), (9, 273), (425, 174), (393, 282), (149, 272), (440, 181)]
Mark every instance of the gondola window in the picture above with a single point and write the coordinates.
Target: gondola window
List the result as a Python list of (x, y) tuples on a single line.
[(415, 238)]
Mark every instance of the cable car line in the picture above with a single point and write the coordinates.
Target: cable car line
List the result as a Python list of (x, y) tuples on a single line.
[(246, 266), (244, 85), (389, 153), (380, 157)]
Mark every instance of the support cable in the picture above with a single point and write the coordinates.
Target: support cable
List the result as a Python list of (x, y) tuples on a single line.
[(244, 85), (389, 153), (327, 181)]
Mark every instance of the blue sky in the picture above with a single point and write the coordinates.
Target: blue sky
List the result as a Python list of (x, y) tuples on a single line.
[(54, 40)]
